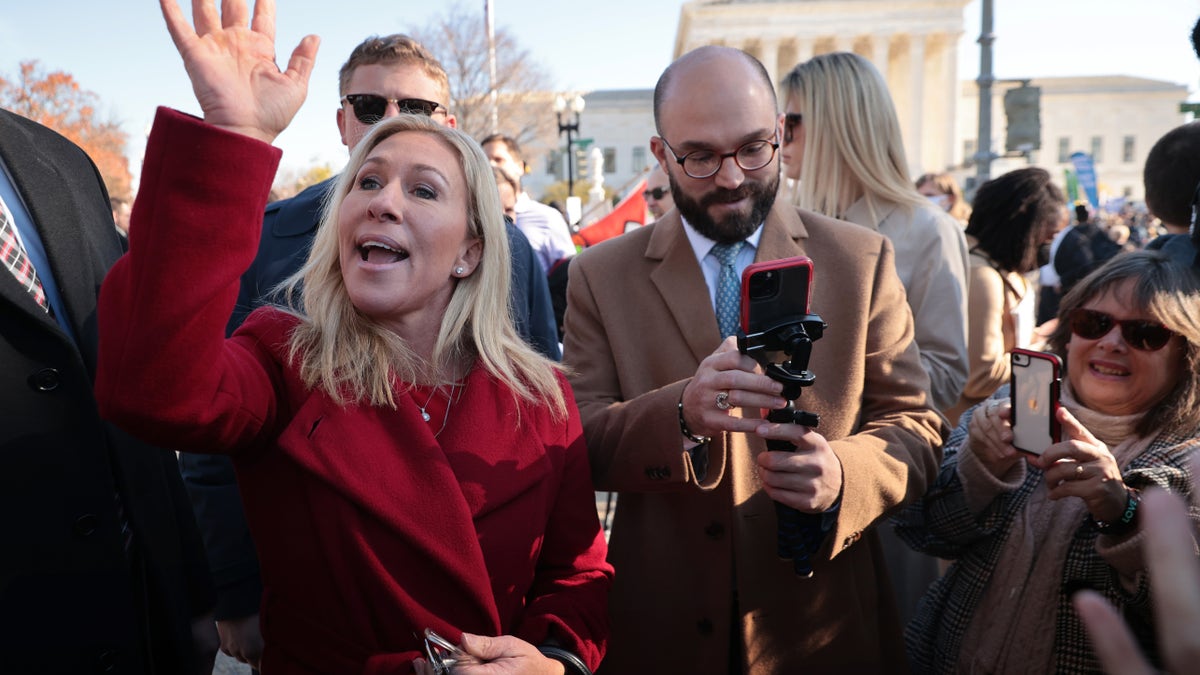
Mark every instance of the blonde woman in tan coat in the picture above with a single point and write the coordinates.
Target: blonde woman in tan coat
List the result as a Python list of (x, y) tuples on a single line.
[(843, 148), (842, 145)]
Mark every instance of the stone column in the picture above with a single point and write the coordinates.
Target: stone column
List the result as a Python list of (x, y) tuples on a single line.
[(804, 49), (916, 97), (769, 48), (950, 104), (880, 43)]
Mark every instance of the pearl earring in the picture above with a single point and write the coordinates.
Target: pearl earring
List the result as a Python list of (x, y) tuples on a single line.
[(459, 270)]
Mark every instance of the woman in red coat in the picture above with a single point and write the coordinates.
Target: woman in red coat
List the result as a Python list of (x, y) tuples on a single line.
[(406, 461)]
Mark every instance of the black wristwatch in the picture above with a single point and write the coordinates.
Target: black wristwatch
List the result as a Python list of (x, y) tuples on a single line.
[(573, 664), (1126, 523)]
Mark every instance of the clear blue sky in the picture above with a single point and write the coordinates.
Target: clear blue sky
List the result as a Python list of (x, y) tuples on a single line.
[(121, 50)]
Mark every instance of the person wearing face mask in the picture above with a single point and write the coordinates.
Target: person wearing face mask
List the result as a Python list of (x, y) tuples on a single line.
[(1027, 531), (944, 192), (406, 461), (1015, 214)]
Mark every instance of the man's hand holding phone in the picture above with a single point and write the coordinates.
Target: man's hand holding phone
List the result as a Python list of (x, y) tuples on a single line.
[(727, 379), (808, 479)]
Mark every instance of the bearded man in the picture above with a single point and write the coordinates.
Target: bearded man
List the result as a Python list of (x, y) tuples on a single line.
[(671, 409)]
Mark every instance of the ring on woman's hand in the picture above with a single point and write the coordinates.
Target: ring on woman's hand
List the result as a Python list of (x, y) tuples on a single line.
[(1078, 471), (723, 400)]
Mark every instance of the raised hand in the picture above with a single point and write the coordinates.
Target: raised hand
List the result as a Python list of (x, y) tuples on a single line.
[(232, 65), (1170, 552)]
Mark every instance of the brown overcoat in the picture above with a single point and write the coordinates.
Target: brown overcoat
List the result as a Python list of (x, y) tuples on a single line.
[(639, 321)]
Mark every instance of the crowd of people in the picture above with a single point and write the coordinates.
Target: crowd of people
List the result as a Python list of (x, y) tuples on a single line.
[(389, 435)]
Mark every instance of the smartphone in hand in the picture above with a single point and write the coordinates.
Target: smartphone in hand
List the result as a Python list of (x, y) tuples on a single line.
[(1036, 381), (775, 292)]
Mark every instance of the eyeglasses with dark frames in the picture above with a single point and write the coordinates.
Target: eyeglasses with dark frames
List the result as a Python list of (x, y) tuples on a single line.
[(752, 156), (1143, 335), (790, 122), (657, 193), (370, 108)]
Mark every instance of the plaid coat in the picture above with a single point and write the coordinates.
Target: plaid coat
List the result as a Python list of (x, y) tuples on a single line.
[(941, 524)]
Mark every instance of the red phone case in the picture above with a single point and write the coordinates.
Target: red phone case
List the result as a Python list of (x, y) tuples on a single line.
[(789, 302), (1034, 375)]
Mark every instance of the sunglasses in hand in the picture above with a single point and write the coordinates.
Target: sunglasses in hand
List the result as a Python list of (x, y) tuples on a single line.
[(370, 108), (444, 655)]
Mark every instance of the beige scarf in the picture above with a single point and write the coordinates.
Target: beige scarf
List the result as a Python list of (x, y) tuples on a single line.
[(1012, 629)]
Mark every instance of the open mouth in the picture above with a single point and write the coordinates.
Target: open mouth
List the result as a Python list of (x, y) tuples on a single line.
[(379, 253)]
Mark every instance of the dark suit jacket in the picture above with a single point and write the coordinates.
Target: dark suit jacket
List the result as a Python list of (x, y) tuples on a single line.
[(288, 229), (639, 321), (71, 601)]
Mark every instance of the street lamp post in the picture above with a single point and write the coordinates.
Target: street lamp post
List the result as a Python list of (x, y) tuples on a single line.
[(573, 108)]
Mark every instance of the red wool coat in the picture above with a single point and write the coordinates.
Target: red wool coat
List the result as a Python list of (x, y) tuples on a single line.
[(369, 528)]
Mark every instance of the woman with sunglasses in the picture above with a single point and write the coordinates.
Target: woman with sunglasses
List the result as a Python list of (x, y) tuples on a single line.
[(1027, 531), (843, 149), (407, 462), (1015, 214)]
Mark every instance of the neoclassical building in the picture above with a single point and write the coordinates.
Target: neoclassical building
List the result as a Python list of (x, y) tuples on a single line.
[(914, 43)]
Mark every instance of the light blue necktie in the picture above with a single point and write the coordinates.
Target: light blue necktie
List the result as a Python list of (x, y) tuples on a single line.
[(729, 287)]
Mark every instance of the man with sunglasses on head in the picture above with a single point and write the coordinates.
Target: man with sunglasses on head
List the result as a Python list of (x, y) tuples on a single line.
[(384, 77), (658, 192), (672, 411)]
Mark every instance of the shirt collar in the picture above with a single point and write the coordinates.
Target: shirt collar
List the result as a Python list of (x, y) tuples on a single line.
[(701, 245)]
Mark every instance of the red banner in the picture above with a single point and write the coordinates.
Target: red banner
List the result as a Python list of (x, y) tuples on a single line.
[(629, 213)]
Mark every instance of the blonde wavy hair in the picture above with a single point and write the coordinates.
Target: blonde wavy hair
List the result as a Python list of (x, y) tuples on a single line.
[(353, 358), (852, 146)]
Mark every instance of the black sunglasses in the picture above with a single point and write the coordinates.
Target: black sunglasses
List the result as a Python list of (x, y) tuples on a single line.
[(657, 193), (370, 108), (790, 122), (1148, 336)]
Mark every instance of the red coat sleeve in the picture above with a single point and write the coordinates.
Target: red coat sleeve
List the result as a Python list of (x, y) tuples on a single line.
[(165, 371)]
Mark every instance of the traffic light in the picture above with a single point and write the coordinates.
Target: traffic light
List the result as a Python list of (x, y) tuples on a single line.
[(1023, 108)]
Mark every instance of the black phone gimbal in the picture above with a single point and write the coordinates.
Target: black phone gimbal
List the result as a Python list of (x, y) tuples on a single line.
[(799, 534)]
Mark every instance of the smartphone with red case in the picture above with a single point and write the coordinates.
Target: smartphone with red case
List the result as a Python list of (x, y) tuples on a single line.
[(775, 292), (1036, 382)]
